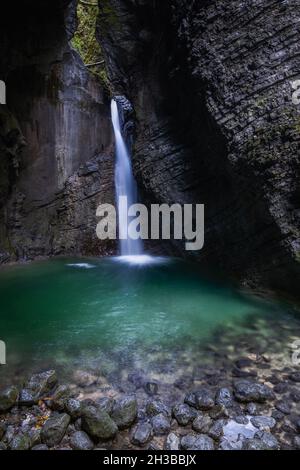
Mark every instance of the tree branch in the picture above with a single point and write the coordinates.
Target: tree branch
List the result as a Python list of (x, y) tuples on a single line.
[(90, 4), (95, 63)]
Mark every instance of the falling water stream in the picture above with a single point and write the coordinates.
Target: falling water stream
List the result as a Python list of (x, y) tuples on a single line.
[(125, 185)]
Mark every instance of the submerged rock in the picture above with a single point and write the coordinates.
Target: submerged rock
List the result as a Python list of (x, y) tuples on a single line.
[(155, 407), (202, 424), (202, 399), (184, 414), (264, 442), (161, 424), (54, 429), (37, 387), (97, 423), (172, 442), (20, 442), (151, 387), (59, 397), (197, 442), (81, 441), (246, 391), (216, 430), (73, 408), (124, 411), (224, 397), (106, 404), (8, 398), (141, 434), (263, 422)]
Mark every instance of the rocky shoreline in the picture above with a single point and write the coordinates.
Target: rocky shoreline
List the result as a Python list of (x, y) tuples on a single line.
[(254, 405)]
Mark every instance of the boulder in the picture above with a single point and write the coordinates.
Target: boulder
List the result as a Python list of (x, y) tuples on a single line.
[(246, 391), (197, 442), (81, 441), (201, 399), (160, 424), (141, 434), (97, 423), (8, 398), (54, 429), (124, 412), (184, 414)]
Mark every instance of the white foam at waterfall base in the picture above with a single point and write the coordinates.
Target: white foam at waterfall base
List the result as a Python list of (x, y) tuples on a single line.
[(140, 260), (81, 265)]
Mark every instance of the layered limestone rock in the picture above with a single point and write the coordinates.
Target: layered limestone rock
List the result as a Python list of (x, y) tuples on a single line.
[(51, 186), (211, 85)]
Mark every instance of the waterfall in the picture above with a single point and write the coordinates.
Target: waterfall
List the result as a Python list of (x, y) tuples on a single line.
[(125, 184)]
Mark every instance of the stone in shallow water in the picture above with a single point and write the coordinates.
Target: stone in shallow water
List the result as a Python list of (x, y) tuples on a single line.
[(224, 397), (27, 398), (124, 411), (216, 430), (151, 387), (73, 408), (141, 434), (197, 442), (263, 423), (296, 442), (184, 414), (295, 377), (106, 404), (35, 436), (283, 407), (227, 445), (161, 424), (202, 424), (81, 441), (8, 398), (251, 408), (202, 399), (155, 407), (54, 429), (172, 442), (20, 442), (97, 423), (246, 391), (269, 440), (265, 441), (58, 398), (40, 384)]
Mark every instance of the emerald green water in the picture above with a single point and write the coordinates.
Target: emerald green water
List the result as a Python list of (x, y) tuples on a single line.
[(65, 311)]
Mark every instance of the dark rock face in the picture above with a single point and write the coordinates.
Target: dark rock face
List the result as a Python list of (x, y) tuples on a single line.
[(50, 187), (210, 83)]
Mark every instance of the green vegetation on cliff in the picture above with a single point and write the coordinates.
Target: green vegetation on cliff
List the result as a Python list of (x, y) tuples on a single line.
[(85, 42)]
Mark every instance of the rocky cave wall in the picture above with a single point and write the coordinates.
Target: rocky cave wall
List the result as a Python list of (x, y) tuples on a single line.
[(210, 82), (55, 137)]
